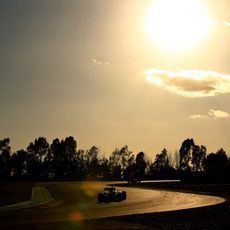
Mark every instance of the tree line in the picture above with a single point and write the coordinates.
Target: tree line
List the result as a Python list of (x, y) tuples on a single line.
[(61, 160)]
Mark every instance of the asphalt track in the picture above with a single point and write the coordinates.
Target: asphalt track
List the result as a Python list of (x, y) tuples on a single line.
[(77, 201)]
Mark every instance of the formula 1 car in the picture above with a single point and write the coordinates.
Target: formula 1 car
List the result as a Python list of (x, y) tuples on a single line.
[(111, 194)]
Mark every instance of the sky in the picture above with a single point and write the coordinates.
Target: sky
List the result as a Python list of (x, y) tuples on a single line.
[(96, 70)]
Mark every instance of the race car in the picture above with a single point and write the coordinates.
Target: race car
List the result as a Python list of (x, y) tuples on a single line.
[(111, 194)]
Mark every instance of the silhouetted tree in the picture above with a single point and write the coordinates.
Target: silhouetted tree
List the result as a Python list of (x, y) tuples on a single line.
[(140, 166), (198, 158), (38, 149), (104, 169), (185, 154), (130, 170), (161, 161), (92, 162), (160, 168), (115, 166), (69, 155), (217, 165), (48, 165), (56, 157), (4, 159), (64, 155), (119, 161), (62, 161), (124, 154), (80, 166), (20, 163)]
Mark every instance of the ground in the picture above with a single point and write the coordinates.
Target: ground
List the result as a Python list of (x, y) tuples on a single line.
[(15, 192), (211, 217)]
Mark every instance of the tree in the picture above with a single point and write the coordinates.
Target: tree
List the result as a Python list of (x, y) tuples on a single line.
[(198, 158), (80, 168), (56, 150), (160, 168), (124, 154), (130, 170), (115, 166), (69, 156), (185, 154), (119, 161), (5, 159), (217, 164), (104, 169), (38, 150), (48, 165), (161, 161), (92, 162), (64, 156), (20, 165), (140, 166)]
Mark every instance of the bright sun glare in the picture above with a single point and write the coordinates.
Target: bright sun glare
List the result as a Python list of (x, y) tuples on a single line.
[(177, 25)]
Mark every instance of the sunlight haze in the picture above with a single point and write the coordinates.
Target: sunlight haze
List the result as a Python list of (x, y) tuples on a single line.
[(147, 74)]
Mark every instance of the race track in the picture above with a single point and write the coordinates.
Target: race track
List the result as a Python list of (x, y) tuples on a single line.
[(79, 202)]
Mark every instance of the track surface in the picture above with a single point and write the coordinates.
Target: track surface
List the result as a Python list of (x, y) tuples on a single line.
[(80, 202)]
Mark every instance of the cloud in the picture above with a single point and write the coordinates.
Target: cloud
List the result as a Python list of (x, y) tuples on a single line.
[(226, 23), (95, 61), (190, 83), (198, 116), (214, 114), (218, 22), (218, 114)]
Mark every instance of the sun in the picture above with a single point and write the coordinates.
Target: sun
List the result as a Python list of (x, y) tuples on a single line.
[(177, 25)]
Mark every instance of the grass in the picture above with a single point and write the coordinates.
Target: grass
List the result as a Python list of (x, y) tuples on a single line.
[(41, 195), (36, 195), (11, 193)]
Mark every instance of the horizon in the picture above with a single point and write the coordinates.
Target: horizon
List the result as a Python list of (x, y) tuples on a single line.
[(103, 153)]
